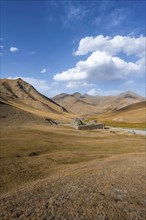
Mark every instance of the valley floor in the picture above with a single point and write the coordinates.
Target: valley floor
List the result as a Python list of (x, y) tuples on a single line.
[(56, 172)]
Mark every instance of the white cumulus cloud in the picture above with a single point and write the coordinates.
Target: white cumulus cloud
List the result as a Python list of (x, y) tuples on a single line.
[(126, 44), (100, 65), (105, 61), (71, 74), (13, 49), (44, 70)]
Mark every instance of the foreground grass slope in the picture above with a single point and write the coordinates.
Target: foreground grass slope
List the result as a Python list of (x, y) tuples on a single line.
[(101, 189), (55, 147), (56, 172)]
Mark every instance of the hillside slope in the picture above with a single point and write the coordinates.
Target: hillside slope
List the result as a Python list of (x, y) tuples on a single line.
[(134, 113), (21, 92), (12, 116)]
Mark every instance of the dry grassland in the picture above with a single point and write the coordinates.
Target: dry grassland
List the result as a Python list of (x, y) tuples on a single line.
[(56, 172)]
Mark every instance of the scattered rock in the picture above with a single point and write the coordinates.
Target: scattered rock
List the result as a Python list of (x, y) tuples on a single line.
[(92, 122), (112, 132), (118, 194), (131, 132), (33, 154), (2, 116), (52, 122)]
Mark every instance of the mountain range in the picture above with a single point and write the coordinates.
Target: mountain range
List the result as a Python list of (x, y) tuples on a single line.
[(20, 100), (88, 105)]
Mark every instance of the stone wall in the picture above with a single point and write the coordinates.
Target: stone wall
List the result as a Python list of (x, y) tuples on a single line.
[(90, 127)]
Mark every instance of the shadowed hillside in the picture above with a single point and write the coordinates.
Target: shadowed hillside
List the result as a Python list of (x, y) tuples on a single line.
[(13, 116)]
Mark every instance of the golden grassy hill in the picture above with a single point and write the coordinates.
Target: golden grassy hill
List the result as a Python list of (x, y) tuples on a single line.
[(19, 92), (132, 113), (132, 116)]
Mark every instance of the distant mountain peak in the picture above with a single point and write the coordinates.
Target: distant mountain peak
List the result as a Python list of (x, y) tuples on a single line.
[(129, 94), (20, 79), (77, 94)]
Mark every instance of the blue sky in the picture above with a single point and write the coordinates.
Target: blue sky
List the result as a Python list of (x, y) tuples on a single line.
[(94, 47)]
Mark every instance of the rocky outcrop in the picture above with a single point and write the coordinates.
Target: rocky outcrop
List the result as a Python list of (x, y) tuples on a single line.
[(77, 122)]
